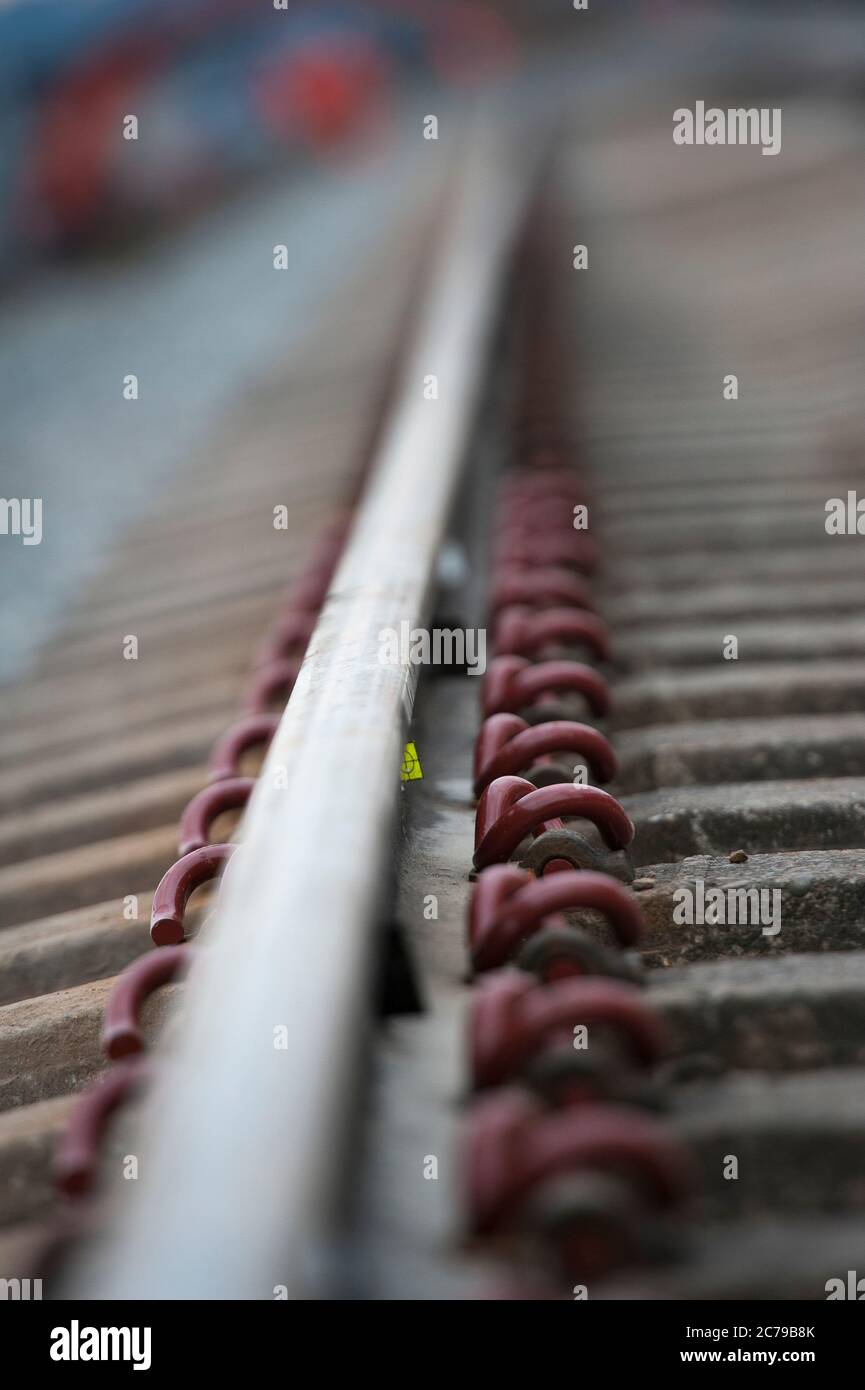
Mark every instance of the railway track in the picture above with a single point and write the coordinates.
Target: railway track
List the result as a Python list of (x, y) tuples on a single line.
[(101, 754), (475, 1034)]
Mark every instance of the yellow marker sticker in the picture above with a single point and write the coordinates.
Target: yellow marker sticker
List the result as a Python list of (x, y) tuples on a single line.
[(411, 769)]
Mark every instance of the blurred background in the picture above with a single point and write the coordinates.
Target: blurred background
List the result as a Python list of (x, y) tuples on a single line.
[(260, 123)]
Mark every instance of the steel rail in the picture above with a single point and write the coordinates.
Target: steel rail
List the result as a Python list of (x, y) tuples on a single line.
[(242, 1142)]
